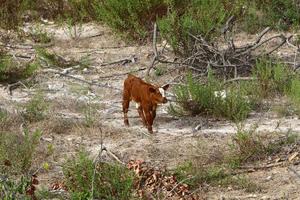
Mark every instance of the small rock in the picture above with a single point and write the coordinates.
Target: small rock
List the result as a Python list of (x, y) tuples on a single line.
[(47, 139), (85, 70), (268, 178)]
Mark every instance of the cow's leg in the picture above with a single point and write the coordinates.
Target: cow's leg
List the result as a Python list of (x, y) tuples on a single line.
[(141, 113), (154, 112), (149, 119), (125, 103)]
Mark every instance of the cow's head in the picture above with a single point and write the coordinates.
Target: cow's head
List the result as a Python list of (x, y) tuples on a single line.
[(158, 94)]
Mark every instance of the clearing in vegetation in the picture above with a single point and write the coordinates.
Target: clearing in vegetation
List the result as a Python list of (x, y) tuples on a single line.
[(231, 127)]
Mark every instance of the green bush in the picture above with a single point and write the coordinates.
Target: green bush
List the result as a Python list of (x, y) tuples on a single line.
[(38, 35), (3, 115), (280, 14), (11, 71), (36, 108), (14, 189), (9, 14), (132, 17), (17, 151), (207, 99), (272, 78), (294, 94), (111, 181), (247, 145), (203, 17), (194, 175), (236, 106)]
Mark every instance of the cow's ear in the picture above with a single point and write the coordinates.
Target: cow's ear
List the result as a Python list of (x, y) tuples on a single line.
[(151, 89), (165, 87)]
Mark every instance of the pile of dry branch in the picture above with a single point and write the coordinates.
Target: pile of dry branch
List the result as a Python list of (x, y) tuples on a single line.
[(231, 61), (153, 182)]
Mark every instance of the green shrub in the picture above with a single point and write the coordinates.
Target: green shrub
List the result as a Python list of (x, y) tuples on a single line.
[(90, 115), (280, 14), (253, 19), (3, 115), (203, 17), (14, 189), (17, 151), (247, 145), (133, 17), (11, 71), (9, 14), (273, 78), (236, 106), (36, 109), (196, 98), (215, 175), (111, 181), (295, 90), (294, 94), (38, 35), (211, 99)]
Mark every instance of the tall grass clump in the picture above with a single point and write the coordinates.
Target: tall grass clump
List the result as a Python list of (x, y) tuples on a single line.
[(17, 151), (108, 180), (248, 145), (36, 109), (277, 14), (280, 14), (14, 189), (12, 71), (273, 78), (294, 94), (211, 99)]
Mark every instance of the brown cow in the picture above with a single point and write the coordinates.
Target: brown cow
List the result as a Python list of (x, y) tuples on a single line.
[(146, 96)]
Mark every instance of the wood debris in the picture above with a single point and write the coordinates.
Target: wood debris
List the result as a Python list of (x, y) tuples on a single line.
[(152, 182)]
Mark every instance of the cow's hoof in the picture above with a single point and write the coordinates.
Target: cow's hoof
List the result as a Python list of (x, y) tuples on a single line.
[(150, 130)]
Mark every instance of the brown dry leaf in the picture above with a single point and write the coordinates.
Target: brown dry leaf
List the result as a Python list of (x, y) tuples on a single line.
[(58, 186), (153, 181)]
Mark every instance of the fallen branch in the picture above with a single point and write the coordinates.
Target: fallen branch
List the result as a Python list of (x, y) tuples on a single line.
[(124, 61), (241, 79), (284, 40), (250, 169), (113, 155), (122, 74), (79, 79)]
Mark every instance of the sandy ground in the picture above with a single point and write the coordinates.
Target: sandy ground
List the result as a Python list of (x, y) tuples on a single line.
[(174, 138)]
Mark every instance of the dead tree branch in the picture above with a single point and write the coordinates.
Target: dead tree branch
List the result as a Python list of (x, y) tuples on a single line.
[(155, 58), (230, 61), (79, 79)]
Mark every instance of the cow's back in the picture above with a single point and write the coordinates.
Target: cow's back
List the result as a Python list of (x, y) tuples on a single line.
[(136, 88)]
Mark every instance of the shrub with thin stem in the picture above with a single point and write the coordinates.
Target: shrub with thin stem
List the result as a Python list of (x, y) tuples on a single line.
[(111, 180), (195, 98), (17, 151), (36, 109)]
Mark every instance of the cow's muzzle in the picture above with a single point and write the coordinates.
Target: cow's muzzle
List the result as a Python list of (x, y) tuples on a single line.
[(165, 100)]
